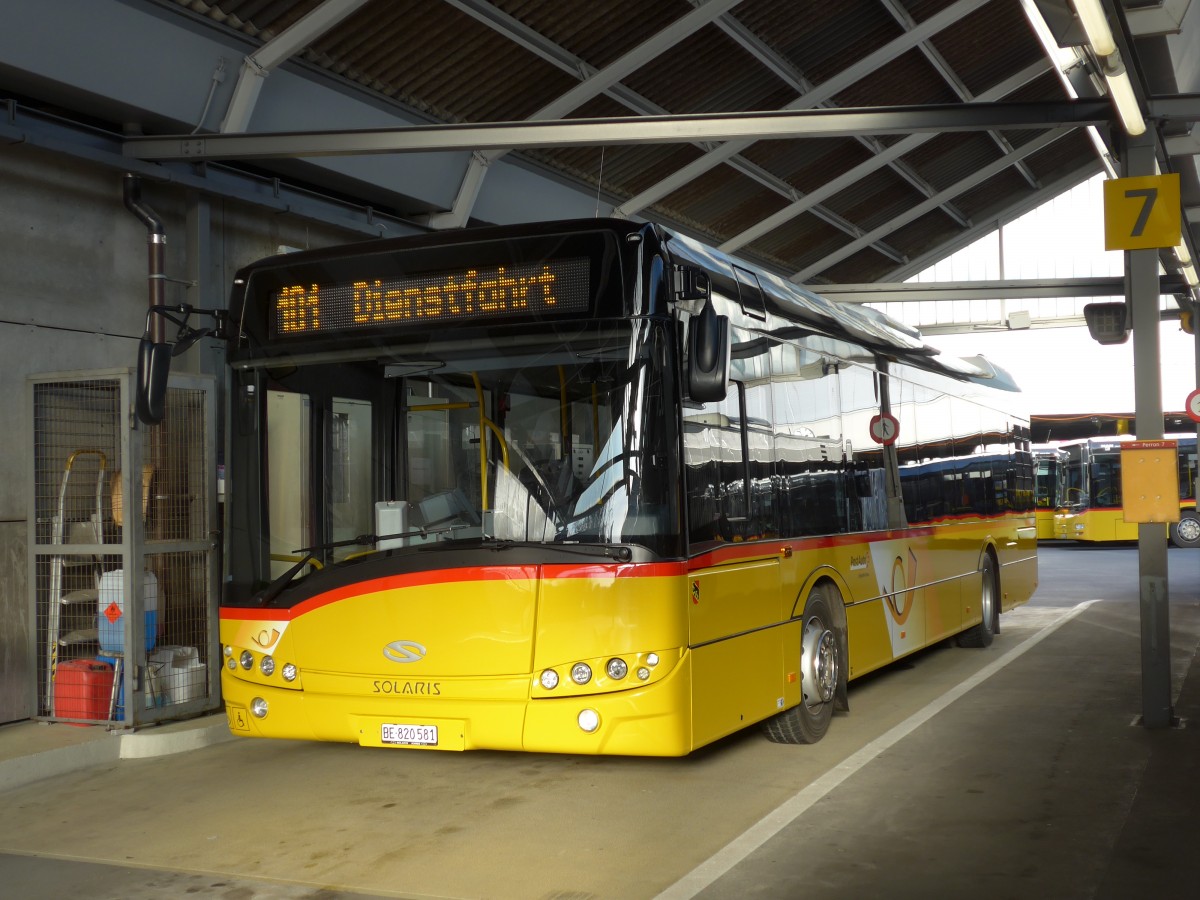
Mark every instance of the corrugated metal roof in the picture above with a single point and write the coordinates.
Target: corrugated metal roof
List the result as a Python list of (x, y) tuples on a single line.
[(439, 59)]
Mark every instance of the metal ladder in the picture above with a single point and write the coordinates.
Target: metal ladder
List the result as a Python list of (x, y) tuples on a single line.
[(64, 534)]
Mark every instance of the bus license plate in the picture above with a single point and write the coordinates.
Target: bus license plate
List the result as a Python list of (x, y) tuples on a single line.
[(419, 735)]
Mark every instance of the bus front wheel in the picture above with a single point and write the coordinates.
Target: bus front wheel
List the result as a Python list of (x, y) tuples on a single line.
[(820, 669), (1186, 532)]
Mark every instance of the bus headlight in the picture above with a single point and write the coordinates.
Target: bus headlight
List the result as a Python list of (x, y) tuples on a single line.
[(643, 673), (258, 706), (247, 660), (581, 673), (549, 679), (617, 668), (231, 664), (589, 720), (266, 665), (290, 672)]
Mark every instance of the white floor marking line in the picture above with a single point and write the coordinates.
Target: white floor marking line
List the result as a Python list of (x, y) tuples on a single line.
[(771, 824)]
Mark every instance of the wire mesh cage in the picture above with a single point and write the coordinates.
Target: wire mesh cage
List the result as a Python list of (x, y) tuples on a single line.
[(111, 497)]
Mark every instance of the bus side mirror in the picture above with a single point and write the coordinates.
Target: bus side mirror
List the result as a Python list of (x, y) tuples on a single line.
[(153, 366), (708, 355)]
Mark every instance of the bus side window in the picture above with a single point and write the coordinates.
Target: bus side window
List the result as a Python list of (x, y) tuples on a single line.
[(714, 471)]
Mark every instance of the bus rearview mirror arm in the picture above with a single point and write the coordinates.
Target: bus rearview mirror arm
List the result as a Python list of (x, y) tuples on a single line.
[(154, 359)]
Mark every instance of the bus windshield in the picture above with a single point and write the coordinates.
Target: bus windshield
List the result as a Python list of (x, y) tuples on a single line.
[(557, 437)]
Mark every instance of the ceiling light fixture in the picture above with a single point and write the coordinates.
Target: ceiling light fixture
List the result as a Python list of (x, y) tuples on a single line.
[(1189, 274), (1120, 88), (1095, 26)]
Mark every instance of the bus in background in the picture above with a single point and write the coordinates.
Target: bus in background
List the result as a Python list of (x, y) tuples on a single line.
[(1050, 479), (593, 487), (1092, 510)]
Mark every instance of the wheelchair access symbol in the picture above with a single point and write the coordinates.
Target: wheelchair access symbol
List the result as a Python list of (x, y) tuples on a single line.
[(884, 429)]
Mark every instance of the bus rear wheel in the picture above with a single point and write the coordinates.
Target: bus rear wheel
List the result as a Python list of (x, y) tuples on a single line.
[(1186, 532), (983, 633), (820, 669)]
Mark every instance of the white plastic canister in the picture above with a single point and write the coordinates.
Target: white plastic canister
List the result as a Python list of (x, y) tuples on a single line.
[(112, 610)]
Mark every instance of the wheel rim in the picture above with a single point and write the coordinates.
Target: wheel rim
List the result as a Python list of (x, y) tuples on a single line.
[(1188, 530), (819, 664)]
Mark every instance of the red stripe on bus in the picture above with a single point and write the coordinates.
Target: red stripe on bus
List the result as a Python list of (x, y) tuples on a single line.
[(599, 571), (770, 548)]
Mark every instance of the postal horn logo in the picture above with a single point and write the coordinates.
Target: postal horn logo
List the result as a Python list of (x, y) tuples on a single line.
[(404, 651)]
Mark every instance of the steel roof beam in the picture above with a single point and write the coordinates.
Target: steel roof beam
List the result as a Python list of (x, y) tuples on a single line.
[(825, 91), (978, 177), (1179, 107), (865, 168), (59, 136), (1000, 289), (1011, 213), (548, 51), (276, 51), (592, 85), (729, 127), (781, 187), (784, 70), (948, 75)]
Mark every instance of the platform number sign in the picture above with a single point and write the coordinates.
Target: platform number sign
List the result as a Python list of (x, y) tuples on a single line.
[(884, 429), (1141, 213)]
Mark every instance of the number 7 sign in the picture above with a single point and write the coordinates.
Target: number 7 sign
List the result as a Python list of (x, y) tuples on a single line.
[(1141, 213)]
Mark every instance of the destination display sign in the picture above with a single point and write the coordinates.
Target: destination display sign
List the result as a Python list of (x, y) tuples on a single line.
[(547, 287)]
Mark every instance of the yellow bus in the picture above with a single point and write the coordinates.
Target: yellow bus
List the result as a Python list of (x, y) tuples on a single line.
[(1092, 510), (1050, 480), (593, 487)]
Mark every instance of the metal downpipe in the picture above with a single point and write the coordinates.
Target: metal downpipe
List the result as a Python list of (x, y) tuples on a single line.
[(156, 239)]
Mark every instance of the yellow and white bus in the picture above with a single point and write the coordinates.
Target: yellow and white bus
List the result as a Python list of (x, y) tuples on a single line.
[(1050, 485), (592, 487), (1092, 509)]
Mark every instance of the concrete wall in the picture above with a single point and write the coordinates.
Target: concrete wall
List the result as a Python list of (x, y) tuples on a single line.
[(73, 296)]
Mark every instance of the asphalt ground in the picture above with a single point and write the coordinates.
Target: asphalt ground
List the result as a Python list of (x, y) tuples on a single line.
[(1014, 771)]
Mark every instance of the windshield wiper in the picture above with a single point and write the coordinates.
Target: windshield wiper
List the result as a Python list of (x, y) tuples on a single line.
[(275, 588)]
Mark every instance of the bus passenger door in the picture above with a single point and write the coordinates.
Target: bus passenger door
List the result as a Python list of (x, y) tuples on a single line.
[(348, 484), (289, 418), (735, 593)]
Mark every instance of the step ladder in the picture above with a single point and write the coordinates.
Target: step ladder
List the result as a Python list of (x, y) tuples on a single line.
[(74, 576)]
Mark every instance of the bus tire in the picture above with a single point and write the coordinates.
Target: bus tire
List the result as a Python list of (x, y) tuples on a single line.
[(981, 635), (1186, 532), (820, 670)]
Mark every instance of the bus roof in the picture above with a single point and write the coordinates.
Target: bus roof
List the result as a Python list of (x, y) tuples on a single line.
[(860, 324)]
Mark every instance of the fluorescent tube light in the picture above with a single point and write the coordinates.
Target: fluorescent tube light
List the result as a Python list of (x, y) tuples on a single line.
[(1120, 88), (1095, 26)]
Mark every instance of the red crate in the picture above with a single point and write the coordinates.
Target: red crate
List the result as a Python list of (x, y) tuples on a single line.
[(82, 689)]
